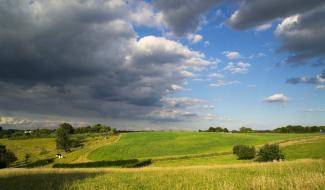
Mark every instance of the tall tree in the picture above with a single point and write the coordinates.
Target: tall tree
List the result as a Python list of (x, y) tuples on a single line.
[(63, 138)]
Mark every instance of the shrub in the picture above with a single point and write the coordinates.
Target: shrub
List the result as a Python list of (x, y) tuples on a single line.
[(236, 148), (269, 152), (244, 152), (6, 157)]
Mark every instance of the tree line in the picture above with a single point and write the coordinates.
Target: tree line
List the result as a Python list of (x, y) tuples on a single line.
[(286, 129), (39, 133)]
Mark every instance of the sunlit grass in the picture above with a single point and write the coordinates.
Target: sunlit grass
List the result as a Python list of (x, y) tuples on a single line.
[(159, 144), (301, 174)]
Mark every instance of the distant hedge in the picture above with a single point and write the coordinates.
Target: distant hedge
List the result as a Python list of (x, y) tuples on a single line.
[(133, 163)]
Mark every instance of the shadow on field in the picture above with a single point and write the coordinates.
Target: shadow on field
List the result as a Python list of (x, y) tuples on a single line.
[(53, 181), (132, 163), (38, 163)]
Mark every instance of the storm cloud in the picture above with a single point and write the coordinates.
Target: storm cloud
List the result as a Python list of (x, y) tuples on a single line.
[(183, 17), (84, 58)]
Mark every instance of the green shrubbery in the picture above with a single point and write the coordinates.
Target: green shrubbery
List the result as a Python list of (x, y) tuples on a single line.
[(6, 157), (270, 152), (244, 152)]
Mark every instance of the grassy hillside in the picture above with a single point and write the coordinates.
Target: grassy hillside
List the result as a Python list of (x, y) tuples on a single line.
[(311, 149), (45, 148), (158, 144), (38, 148), (302, 174)]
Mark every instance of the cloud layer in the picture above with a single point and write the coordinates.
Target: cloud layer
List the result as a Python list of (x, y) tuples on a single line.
[(83, 58)]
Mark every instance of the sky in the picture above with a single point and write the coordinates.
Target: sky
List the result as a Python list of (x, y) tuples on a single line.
[(162, 65)]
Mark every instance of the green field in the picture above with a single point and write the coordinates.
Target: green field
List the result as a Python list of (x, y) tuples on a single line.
[(313, 149), (180, 160), (159, 144), (45, 148), (293, 175)]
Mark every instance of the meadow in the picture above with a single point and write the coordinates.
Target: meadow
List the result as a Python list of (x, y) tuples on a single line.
[(161, 144), (178, 160), (301, 174)]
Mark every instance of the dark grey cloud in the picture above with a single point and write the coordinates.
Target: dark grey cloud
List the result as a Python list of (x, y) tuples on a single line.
[(301, 31), (77, 58), (304, 36), (252, 13), (183, 17)]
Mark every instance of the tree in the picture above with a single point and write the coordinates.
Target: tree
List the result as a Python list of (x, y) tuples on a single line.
[(270, 152), (114, 131), (244, 152), (245, 130), (68, 127), (63, 138), (6, 157)]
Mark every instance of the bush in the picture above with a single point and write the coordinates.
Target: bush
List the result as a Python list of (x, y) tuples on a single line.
[(244, 152), (6, 157), (270, 152)]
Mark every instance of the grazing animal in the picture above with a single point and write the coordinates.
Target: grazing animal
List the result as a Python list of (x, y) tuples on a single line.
[(59, 156)]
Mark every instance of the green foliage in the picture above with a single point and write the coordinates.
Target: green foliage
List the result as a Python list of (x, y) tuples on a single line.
[(245, 130), (244, 152), (98, 128), (236, 148), (67, 127), (217, 129), (270, 152), (299, 129), (6, 157), (63, 138)]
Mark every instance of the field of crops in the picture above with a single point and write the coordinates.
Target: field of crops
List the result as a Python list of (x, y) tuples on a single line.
[(158, 144)]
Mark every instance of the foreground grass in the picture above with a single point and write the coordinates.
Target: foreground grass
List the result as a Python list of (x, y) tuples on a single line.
[(301, 174), (159, 144)]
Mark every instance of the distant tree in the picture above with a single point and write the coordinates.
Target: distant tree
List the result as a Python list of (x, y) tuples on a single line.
[(217, 129), (244, 152), (113, 131), (269, 152), (6, 157), (298, 129), (68, 127), (245, 130), (63, 138)]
